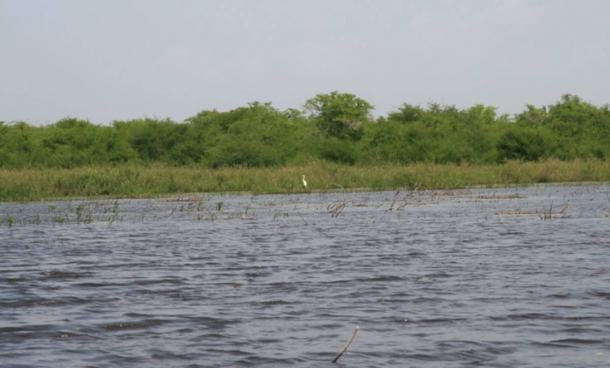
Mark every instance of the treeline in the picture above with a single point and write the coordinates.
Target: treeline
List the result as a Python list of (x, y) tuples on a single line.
[(334, 127)]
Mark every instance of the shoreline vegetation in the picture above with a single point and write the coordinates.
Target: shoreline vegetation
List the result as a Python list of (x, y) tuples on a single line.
[(131, 181), (333, 140)]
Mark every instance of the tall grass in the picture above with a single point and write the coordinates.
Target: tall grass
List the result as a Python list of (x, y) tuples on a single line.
[(157, 180)]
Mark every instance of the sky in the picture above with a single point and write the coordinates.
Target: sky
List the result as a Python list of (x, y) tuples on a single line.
[(106, 60)]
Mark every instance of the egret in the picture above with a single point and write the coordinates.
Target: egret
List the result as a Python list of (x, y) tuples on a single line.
[(304, 182)]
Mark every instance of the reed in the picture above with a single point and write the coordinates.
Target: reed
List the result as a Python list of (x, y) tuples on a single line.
[(548, 214), (157, 180)]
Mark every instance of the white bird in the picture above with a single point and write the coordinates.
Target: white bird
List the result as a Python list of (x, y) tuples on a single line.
[(304, 182)]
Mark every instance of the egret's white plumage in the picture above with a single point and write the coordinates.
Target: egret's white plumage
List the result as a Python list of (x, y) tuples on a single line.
[(304, 182)]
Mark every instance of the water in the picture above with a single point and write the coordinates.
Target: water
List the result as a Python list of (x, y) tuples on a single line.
[(433, 279)]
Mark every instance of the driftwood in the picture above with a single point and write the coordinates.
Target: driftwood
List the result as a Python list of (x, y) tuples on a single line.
[(349, 342)]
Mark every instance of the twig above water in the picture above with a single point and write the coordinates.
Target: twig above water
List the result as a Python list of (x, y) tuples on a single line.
[(336, 208), (394, 200), (549, 215), (349, 342)]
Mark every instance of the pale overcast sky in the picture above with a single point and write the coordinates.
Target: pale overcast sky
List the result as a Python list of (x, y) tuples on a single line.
[(107, 60)]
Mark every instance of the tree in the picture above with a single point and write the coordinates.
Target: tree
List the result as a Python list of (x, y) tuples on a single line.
[(526, 142), (533, 115), (407, 114), (339, 115)]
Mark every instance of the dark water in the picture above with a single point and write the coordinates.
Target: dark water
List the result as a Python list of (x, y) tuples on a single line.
[(433, 279)]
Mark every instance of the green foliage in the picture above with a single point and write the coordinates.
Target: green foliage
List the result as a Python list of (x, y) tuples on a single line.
[(337, 150), (256, 135), (339, 115), (525, 143), (334, 127), (441, 134), (407, 114)]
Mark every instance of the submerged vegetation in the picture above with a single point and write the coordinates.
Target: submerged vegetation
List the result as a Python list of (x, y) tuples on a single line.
[(204, 207), (334, 140)]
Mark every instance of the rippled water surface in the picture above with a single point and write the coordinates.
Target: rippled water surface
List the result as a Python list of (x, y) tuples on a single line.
[(516, 277)]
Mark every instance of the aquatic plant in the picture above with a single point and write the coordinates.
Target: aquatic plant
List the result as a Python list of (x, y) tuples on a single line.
[(10, 220), (548, 214), (114, 213), (336, 208)]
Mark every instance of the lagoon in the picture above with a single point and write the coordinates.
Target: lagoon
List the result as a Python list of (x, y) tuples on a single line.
[(508, 277)]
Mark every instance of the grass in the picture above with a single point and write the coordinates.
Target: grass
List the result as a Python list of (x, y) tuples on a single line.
[(152, 181)]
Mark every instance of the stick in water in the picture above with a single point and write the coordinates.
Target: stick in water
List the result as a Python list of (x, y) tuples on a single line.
[(349, 342)]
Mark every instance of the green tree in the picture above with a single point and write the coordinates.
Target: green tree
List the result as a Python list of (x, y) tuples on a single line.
[(407, 114), (254, 135), (526, 143), (339, 115), (533, 115)]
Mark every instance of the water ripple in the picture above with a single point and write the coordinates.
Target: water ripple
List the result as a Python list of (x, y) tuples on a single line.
[(451, 279)]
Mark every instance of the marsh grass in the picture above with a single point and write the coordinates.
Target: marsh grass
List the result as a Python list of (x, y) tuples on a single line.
[(157, 180)]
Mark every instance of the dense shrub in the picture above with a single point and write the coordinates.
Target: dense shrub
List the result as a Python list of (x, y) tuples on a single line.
[(333, 127)]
